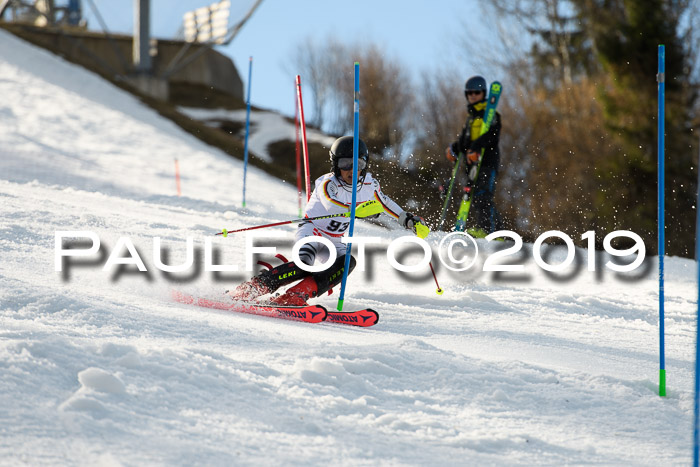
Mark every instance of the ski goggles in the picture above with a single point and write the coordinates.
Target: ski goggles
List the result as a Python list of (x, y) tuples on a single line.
[(346, 163)]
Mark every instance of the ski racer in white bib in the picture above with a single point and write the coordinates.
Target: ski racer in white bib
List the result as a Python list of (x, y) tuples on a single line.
[(332, 195)]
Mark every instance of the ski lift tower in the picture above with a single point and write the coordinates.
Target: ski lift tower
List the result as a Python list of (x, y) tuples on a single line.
[(143, 77), (142, 37), (205, 27)]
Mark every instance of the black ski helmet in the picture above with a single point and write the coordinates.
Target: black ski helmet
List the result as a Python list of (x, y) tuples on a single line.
[(342, 149), (475, 83)]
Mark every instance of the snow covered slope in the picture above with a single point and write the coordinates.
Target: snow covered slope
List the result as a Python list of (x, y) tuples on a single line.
[(101, 367), (266, 128)]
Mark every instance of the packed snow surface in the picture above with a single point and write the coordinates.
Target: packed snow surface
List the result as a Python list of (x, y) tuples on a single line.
[(102, 367)]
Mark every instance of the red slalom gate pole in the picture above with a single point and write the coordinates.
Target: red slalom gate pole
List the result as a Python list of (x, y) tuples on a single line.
[(298, 152), (307, 176), (177, 177)]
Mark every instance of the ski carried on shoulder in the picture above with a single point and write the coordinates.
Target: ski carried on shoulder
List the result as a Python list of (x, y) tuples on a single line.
[(489, 115), (307, 313)]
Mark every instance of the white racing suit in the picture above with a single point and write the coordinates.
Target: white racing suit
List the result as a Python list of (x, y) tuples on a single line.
[(333, 196)]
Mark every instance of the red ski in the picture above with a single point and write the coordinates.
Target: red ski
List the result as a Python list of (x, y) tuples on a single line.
[(366, 317), (309, 313)]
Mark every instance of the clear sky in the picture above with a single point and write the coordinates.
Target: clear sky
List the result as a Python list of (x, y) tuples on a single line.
[(421, 34)]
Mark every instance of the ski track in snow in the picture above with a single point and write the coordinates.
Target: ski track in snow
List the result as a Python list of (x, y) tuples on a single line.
[(101, 367)]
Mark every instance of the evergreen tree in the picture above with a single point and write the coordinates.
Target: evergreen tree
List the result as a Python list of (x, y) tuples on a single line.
[(588, 94), (625, 40)]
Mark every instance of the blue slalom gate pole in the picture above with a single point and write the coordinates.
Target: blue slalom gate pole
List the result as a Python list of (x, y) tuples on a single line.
[(247, 128), (355, 151), (662, 250)]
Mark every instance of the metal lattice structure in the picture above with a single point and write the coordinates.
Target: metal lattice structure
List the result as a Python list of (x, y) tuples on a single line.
[(43, 12)]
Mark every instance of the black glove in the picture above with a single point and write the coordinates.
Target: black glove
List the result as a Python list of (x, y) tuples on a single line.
[(409, 220), (477, 145)]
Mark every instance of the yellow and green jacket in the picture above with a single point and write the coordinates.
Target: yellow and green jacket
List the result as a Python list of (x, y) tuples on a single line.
[(469, 139)]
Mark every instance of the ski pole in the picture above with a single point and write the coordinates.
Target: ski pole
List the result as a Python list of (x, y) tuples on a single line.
[(439, 291), (422, 231), (365, 209), (449, 190)]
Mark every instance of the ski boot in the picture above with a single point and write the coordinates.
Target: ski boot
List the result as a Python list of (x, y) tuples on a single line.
[(249, 291), (299, 294), (267, 281)]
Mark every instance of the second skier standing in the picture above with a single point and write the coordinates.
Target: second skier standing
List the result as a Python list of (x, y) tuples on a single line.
[(472, 143)]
